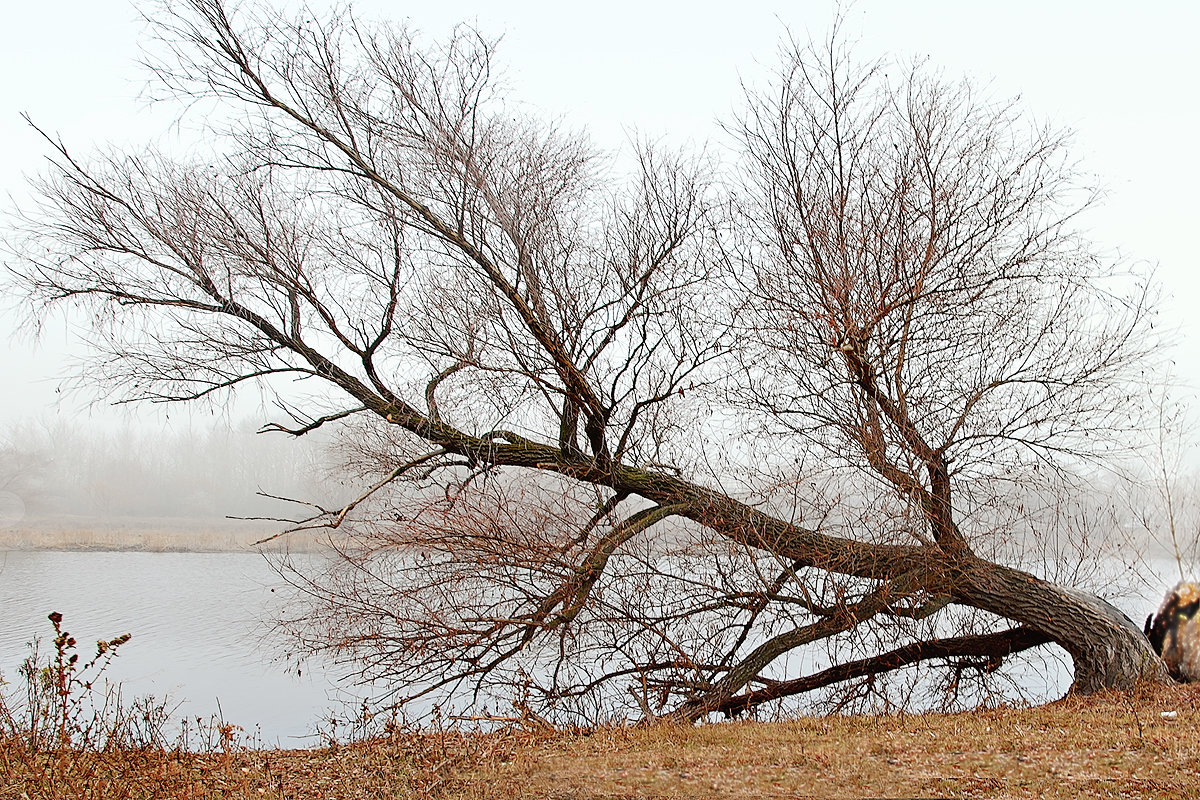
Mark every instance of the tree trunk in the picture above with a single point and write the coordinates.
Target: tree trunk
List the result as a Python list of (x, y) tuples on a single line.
[(1109, 651)]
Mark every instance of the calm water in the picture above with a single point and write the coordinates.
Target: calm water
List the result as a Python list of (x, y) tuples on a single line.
[(198, 637), (197, 632)]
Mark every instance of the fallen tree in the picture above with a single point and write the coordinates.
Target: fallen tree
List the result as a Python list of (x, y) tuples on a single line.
[(626, 444)]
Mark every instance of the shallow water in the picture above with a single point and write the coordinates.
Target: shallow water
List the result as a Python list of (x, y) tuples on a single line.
[(197, 639)]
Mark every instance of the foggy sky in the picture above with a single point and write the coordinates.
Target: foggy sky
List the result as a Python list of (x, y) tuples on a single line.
[(1122, 77)]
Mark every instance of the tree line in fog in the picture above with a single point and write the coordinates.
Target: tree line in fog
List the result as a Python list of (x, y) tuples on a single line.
[(59, 468)]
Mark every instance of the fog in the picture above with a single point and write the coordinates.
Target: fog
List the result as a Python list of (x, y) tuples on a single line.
[(1118, 76), (70, 485)]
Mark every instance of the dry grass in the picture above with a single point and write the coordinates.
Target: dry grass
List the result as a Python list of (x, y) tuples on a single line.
[(1112, 746), (394, 767), (1108, 746), (155, 534)]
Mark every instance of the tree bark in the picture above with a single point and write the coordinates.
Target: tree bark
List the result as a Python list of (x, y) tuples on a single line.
[(1107, 649)]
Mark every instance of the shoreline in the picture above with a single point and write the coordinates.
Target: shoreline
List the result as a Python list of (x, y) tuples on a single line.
[(157, 535)]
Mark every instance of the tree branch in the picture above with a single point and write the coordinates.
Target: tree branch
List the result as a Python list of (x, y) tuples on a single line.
[(993, 646)]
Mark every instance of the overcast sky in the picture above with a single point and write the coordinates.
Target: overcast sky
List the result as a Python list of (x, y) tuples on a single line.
[(1123, 76)]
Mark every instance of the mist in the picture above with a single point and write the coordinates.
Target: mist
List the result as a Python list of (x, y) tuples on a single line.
[(74, 486)]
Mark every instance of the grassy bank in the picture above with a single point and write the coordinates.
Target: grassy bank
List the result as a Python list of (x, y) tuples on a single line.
[(1114, 745)]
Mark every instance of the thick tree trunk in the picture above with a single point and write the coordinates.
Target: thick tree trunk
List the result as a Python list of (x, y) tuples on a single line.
[(1109, 651)]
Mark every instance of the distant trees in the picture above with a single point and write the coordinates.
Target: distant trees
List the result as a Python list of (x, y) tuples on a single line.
[(628, 444), (62, 469), (22, 479)]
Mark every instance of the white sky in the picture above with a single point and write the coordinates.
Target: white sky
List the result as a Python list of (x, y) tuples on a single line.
[(1123, 76)]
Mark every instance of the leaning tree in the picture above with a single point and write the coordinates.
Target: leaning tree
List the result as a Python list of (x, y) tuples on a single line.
[(633, 436)]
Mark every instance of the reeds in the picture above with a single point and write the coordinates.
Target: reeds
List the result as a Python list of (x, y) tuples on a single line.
[(62, 708), (155, 535), (66, 704)]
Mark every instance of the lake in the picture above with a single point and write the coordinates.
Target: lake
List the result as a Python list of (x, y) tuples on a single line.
[(199, 637)]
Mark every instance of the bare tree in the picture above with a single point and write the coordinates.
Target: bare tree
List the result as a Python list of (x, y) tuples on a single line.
[(628, 445)]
